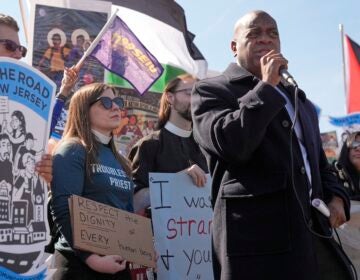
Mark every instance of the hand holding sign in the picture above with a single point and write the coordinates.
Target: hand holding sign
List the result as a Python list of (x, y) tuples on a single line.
[(197, 175), (182, 219), (106, 230), (106, 264)]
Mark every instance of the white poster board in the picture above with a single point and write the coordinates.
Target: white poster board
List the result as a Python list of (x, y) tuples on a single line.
[(182, 217), (349, 235), (28, 96)]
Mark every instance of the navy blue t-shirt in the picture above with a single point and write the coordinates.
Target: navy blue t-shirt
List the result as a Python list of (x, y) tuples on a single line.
[(108, 184)]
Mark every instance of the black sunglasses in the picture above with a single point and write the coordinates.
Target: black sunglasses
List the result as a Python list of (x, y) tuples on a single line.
[(107, 102), (12, 46), (355, 144)]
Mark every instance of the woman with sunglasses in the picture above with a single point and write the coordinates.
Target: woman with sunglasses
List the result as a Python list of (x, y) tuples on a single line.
[(348, 166), (82, 161)]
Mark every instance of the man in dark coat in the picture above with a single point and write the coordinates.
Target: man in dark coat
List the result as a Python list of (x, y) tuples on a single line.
[(266, 173)]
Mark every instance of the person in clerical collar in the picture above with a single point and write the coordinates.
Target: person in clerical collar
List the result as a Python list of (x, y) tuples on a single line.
[(171, 148)]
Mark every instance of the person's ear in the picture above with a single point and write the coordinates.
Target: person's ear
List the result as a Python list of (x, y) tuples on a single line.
[(169, 97), (233, 47)]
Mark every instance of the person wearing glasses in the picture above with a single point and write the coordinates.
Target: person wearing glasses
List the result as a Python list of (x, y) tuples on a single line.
[(171, 148), (348, 165), (9, 38), (10, 47), (87, 164), (13, 49)]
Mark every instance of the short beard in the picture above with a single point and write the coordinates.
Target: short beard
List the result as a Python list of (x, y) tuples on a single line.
[(186, 115)]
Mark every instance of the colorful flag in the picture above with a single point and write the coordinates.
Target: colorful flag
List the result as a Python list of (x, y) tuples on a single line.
[(346, 121), (122, 53), (352, 51), (161, 27)]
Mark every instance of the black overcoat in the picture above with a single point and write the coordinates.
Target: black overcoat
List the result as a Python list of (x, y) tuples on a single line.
[(260, 229)]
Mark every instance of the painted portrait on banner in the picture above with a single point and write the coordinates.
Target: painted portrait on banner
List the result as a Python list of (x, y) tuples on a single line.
[(62, 33), (26, 97), (138, 118)]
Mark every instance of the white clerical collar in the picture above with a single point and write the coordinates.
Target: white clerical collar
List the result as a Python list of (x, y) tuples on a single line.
[(104, 139), (177, 130)]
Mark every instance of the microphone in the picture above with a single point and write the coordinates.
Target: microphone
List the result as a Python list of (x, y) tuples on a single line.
[(321, 207), (283, 72)]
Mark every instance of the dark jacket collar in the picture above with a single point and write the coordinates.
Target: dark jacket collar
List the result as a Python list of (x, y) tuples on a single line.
[(236, 73)]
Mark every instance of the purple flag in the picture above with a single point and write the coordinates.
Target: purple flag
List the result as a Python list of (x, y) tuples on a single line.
[(121, 52)]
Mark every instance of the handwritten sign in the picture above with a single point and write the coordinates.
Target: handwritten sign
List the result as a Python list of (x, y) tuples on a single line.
[(182, 218), (106, 230)]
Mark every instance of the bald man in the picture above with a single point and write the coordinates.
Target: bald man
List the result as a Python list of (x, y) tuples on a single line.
[(266, 168)]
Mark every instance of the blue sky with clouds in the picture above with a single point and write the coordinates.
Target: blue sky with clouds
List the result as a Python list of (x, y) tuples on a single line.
[(309, 32)]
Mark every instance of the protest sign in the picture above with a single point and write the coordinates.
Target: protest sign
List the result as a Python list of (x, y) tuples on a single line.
[(182, 217), (349, 235), (28, 97), (62, 32), (106, 230)]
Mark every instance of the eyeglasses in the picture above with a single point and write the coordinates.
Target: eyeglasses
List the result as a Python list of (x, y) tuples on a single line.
[(12, 46), (355, 144), (106, 102), (186, 91)]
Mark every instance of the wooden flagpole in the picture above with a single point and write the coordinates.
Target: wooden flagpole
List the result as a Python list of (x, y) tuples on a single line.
[(96, 40), (24, 21)]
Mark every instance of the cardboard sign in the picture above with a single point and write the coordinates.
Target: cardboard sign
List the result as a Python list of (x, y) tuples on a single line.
[(106, 230), (26, 104), (182, 218)]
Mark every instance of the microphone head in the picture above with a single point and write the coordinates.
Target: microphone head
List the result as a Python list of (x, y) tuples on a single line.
[(284, 73)]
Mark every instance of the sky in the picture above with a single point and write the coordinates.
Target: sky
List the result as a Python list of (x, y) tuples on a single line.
[(309, 34), (310, 40)]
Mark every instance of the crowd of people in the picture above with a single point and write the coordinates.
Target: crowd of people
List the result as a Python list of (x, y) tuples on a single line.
[(266, 164)]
